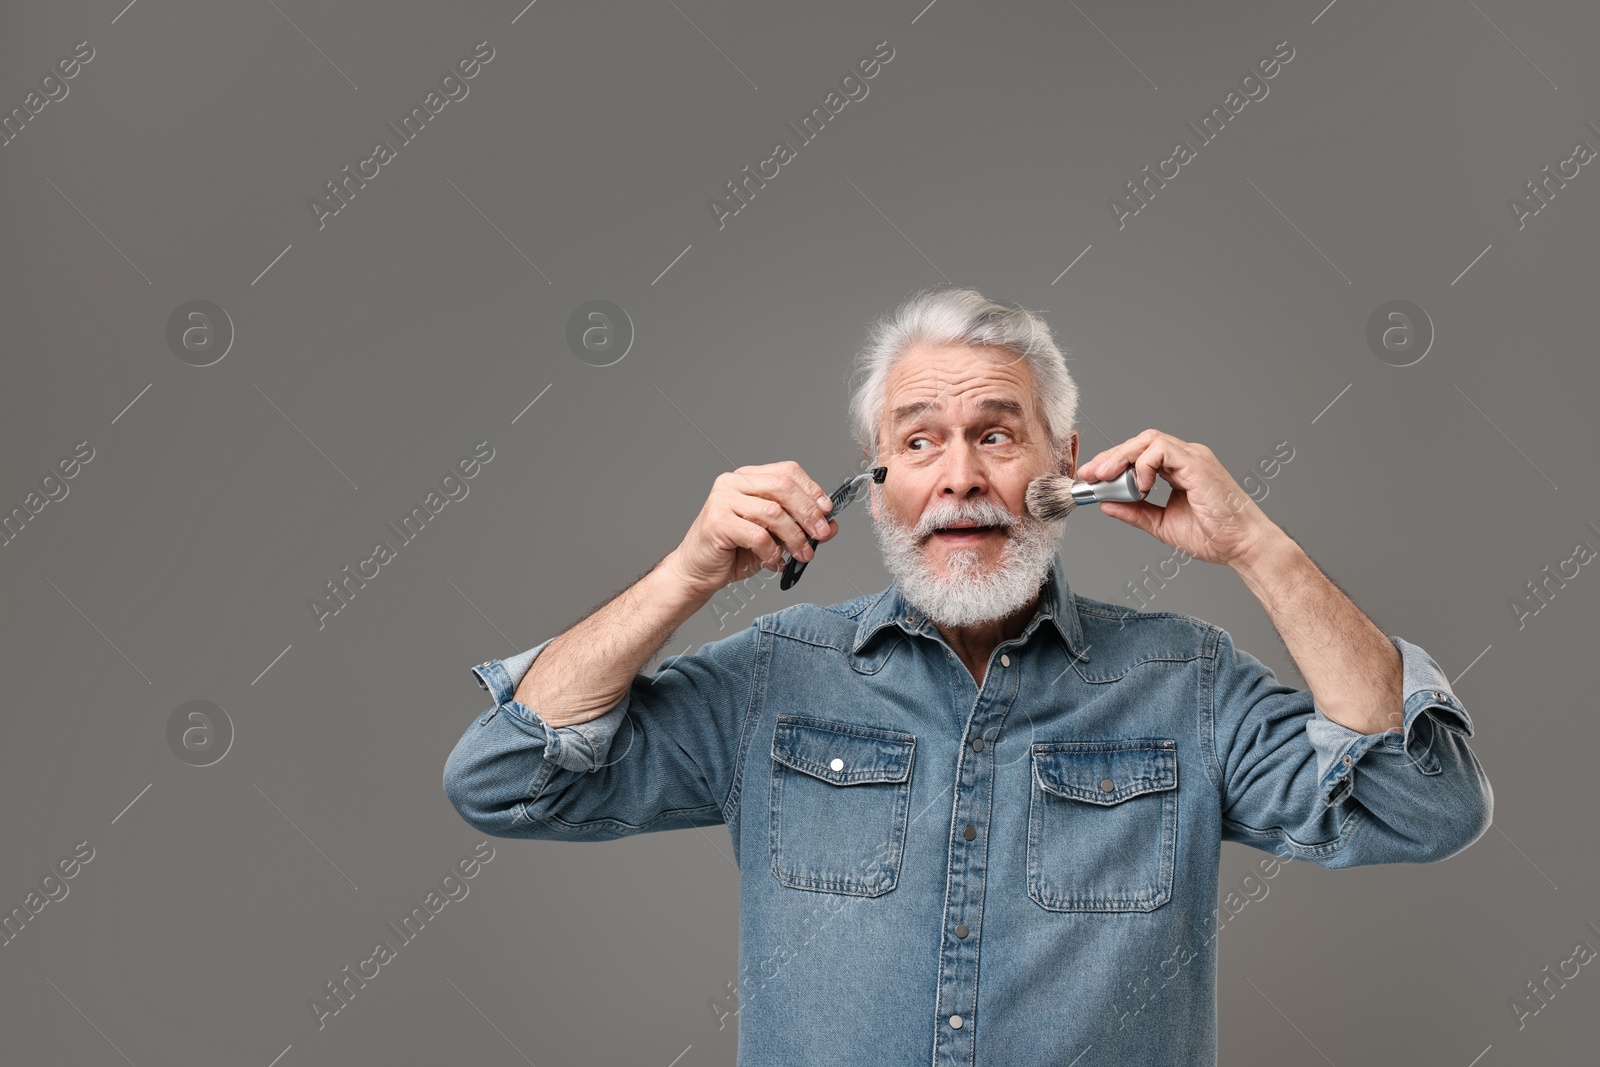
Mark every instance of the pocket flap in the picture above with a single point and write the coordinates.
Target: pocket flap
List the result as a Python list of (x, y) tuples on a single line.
[(1106, 772), (841, 753)]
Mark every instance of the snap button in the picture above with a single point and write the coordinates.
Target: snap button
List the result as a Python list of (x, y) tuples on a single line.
[(912, 619), (955, 1021), (977, 744), (961, 930), (969, 832), (1346, 760), (837, 764), (1005, 661), (1107, 785)]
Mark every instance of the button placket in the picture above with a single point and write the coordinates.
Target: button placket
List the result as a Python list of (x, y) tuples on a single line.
[(968, 866)]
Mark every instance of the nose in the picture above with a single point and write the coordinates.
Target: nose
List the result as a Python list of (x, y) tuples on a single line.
[(962, 475)]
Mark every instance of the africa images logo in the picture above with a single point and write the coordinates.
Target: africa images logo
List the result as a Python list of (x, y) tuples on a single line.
[(343, 190), (453, 887)]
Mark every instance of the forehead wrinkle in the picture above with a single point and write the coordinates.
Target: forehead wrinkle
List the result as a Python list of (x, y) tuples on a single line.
[(951, 371), (988, 406)]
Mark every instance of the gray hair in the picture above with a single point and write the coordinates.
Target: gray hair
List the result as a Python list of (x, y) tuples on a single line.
[(962, 317)]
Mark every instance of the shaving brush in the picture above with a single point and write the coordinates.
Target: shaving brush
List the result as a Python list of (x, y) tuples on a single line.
[(1053, 496)]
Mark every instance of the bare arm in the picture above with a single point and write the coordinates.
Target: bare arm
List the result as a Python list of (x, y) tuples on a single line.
[(586, 670), (751, 516), (1351, 668)]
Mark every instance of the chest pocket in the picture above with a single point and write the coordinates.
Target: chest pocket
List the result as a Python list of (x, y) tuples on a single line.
[(840, 797), (1102, 824)]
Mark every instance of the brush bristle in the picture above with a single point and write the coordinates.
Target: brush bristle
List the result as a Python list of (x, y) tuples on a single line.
[(1049, 497)]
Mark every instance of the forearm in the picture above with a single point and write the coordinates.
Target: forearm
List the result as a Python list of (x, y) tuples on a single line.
[(1350, 666), (587, 670)]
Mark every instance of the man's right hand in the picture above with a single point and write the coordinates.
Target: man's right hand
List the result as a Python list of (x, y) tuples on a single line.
[(751, 516)]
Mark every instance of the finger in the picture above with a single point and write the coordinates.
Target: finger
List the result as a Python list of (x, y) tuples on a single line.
[(758, 540), (1112, 461), (810, 489), (804, 494), (1147, 463), (1167, 456), (745, 537), (1142, 514), (770, 515), (789, 486)]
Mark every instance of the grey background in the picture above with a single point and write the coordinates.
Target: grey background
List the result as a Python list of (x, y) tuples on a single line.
[(374, 352)]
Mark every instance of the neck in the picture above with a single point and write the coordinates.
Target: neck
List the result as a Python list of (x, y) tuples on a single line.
[(976, 643)]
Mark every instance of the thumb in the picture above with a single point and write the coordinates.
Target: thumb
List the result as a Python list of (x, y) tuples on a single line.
[(1138, 514)]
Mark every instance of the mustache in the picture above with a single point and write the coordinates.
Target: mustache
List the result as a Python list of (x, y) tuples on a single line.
[(979, 512)]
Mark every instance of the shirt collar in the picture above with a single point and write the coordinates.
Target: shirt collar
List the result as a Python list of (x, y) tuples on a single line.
[(1056, 603)]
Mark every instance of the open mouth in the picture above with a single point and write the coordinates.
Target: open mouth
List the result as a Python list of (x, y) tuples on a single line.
[(958, 534)]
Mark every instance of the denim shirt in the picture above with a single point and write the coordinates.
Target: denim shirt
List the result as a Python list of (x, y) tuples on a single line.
[(1022, 872)]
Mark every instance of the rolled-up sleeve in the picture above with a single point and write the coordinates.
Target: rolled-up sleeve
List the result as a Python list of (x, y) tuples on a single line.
[(581, 747), (662, 758), (1292, 777)]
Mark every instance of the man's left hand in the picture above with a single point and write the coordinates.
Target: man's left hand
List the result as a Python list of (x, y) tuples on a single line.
[(1207, 515)]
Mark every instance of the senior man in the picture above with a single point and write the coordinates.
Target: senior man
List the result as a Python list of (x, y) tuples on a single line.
[(977, 817)]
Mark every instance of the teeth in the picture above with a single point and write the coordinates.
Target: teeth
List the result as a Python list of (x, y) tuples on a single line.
[(982, 527)]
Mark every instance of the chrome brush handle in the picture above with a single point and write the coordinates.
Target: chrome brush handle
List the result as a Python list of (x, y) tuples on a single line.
[(1123, 487)]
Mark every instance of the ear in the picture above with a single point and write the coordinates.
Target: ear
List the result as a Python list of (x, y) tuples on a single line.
[(1069, 462)]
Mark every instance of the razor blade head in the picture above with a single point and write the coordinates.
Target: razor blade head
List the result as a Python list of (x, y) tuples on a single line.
[(842, 497), (850, 491)]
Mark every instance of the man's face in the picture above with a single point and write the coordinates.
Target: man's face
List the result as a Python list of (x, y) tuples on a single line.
[(962, 435)]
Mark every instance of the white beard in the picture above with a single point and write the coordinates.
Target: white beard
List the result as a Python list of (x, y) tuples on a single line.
[(967, 594)]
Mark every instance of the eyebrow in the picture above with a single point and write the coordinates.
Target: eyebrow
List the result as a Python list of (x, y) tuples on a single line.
[(988, 407)]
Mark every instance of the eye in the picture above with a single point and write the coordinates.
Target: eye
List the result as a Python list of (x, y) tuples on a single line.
[(915, 441), (996, 433)]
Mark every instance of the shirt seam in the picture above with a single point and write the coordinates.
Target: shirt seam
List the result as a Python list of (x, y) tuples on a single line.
[(628, 828), (1209, 758), (757, 670), (1084, 609), (816, 643), (1159, 657), (1347, 828)]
